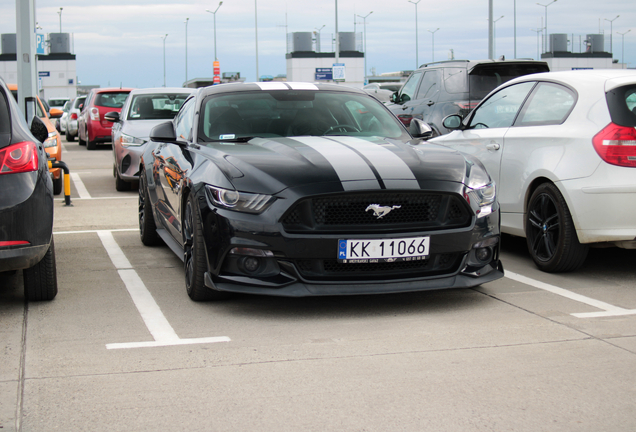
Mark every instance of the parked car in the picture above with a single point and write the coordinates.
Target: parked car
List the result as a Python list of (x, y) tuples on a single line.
[(382, 91), (143, 110), (560, 147), (26, 201), (58, 102), (53, 143), (93, 128), (297, 189), (436, 90), (60, 123), (71, 123)]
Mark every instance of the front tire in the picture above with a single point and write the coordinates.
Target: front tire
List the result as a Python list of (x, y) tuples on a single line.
[(147, 226), (120, 184), (69, 136), (195, 260), (550, 233), (40, 281)]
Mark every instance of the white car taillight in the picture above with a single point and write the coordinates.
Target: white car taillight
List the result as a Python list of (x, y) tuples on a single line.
[(616, 145)]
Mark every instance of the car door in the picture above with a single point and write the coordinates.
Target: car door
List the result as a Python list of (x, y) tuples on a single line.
[(169, 170), (426, 97), (487, 128), (407, 98)]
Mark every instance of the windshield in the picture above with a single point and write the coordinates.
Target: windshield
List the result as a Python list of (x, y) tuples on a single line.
[(158, 106), (295, 113)]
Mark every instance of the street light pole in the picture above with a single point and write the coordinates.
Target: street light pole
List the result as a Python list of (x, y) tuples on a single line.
[(611, 31), (214, 13), (364, 21), (494, 35), (164, 59), (60, 14), (318, 44), (256, 34), (545, 40), (186, 50), (433, 46), (623, 46), (539, 30), (417, 61)]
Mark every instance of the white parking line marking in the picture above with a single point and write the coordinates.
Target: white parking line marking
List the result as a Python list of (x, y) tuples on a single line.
[(608, 309), (156, 322), (79, 186)]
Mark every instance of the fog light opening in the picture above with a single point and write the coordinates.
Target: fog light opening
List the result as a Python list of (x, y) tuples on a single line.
[(250, 264), (483, 255)]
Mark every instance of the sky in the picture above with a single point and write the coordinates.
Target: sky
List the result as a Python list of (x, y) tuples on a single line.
[(121, 42)]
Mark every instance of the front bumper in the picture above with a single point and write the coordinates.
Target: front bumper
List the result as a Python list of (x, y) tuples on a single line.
[(306, 265)]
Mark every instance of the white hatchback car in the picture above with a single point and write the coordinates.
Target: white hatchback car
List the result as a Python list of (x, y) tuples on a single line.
[(561, 147)]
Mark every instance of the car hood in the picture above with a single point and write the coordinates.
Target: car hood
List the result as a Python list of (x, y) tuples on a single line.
[(269, 165)]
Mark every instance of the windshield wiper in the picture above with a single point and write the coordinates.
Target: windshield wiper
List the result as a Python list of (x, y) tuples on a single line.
[(237, 139)]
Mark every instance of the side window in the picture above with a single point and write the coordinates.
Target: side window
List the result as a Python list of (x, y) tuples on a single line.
[(5, 119), (549, 104), (429, 85), (39, 110), (183, 121), (500, 109), (408, 91)]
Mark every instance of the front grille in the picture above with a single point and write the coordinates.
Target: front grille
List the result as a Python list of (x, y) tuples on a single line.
[(351, 212), (325, 270)]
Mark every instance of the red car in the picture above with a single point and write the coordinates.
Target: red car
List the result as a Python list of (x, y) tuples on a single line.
[(92, 127)]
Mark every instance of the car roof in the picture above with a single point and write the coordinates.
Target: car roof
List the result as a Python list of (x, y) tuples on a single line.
[(154, 90), (471, 64), (278, 86), (611, 77), (112, 90)]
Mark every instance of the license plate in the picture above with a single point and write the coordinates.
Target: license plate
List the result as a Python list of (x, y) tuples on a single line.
[(383, 250)]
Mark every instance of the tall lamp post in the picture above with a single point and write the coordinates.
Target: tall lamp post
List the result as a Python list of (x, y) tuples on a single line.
[(164, 59), (417, 61), (538, 31), (186, 51), (364, 21), (60, 14), (545, 28), (611, 31), (623, 46), (256, 34), (214, 13), (433, 46), (318, 30), (494, 35)]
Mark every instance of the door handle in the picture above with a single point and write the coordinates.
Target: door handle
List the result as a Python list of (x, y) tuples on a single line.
[(492, 146), (404, 107), (429, 103)]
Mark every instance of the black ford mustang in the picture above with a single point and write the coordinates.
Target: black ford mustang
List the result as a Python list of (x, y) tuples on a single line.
[(296, 189)]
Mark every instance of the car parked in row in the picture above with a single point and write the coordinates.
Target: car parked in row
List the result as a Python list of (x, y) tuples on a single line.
[(93, 128), (70, 123), (143, 110), (298, 189), (26, 201), (382, 91), (436, 90), (53, 142), (561, 147)]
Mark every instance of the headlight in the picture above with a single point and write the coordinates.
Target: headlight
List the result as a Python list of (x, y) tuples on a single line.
[(239, 201), (479, 189), (127, 140), (51, 141)]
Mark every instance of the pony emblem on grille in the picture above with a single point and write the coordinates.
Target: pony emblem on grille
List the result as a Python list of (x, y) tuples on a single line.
[(380, 211)]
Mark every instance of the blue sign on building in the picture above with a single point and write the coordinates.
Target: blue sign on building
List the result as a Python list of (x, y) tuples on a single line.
[(39, 43), (44, 74), (324, 74)]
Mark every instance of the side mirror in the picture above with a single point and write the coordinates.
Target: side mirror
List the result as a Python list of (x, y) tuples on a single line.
[(452, 122), (420, 129), (81, 106), (112, 116), (55, 113), (39, 129), (163, 132), (394, 97)]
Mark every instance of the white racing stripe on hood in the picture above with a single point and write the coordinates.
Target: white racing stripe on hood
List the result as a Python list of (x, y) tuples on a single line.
[(388, 164), (349, 166)]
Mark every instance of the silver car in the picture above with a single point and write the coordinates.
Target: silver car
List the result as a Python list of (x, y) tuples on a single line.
[(70, 123), (143, 110), (561, 148)]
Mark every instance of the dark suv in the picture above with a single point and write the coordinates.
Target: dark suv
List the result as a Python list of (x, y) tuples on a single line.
[(436, 90)]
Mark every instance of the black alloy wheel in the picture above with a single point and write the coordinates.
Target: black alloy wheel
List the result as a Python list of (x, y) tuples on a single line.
[(550, 233), (147, 227), (195, 260)]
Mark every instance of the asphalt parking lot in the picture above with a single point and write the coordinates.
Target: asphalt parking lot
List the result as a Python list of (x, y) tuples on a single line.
[(123, 348)]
